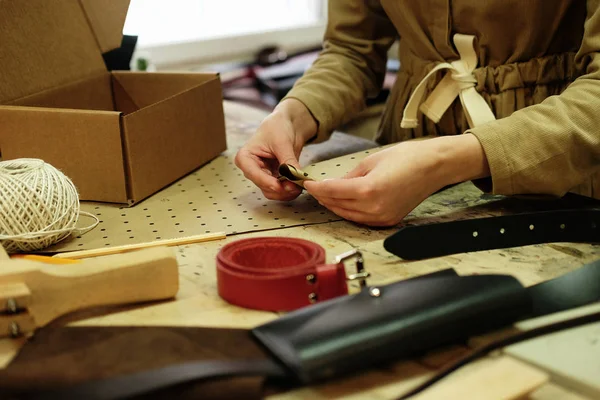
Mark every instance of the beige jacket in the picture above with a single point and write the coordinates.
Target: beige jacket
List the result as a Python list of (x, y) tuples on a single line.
[(538, 70)]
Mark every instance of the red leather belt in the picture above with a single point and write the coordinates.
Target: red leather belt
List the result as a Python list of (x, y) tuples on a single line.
[(281, 274)]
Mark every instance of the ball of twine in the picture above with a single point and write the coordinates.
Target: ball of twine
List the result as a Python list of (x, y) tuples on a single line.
[(39, 205)]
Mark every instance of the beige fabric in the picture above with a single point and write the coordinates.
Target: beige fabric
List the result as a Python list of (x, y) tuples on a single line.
[(538, 70), (459, 82)]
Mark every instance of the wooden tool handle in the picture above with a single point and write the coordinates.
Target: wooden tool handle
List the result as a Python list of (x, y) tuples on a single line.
[(130, 247), (145, 275)]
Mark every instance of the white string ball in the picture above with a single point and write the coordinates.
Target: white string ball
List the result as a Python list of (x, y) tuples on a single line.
[(39, 205)]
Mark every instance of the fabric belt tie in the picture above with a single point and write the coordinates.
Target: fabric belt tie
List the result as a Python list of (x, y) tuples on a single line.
[(458, 81), (281, 274)]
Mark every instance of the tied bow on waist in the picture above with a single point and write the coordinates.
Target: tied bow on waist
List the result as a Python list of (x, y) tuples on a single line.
[(458, 82)]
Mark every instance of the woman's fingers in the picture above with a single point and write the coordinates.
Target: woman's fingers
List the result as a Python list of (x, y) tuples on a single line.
[(352, 188)]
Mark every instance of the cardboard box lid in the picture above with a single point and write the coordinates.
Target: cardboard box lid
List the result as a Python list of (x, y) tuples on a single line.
[(46, 44)]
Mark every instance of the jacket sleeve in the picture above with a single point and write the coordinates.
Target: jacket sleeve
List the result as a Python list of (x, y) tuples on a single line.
[(554, 146), (351, 66)]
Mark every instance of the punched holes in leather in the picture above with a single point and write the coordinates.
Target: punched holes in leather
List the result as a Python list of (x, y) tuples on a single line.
[(441, 239), (277, 274)]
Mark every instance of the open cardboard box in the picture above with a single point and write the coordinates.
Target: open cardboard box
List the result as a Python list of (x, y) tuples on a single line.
[(119, 136)]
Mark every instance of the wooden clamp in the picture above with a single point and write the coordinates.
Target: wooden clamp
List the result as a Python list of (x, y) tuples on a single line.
[(33, 293)]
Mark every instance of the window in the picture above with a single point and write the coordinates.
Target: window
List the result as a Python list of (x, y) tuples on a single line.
[(186, 32)]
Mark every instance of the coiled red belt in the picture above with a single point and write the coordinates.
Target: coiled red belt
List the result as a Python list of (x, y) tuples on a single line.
[(281, 274)]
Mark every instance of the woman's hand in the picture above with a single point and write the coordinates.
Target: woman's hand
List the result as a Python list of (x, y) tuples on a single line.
[(389, 184), (279, 140)]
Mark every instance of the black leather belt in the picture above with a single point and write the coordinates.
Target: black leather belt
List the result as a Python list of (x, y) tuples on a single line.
[(377, 325), (434, 240)]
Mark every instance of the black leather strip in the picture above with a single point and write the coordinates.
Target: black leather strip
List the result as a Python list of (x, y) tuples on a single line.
[(574, 289), (146, 382), (441, 239)]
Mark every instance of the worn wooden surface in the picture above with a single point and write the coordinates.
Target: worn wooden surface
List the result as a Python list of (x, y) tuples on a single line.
[(198, 303)]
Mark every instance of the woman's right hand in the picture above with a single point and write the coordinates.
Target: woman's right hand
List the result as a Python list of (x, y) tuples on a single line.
[(278, 140)]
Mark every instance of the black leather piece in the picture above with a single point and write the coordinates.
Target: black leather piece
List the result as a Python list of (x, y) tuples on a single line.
[(356, 332), (441, 239), (575, 289), (408, 317)]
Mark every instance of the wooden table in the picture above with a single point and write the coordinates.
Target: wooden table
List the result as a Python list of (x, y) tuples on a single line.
[(198, 303)]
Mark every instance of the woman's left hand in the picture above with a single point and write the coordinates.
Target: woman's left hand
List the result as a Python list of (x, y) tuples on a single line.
[(389, 184)]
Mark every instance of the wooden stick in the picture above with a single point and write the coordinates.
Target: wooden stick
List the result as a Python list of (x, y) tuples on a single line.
[(44, 259), (130, 247)]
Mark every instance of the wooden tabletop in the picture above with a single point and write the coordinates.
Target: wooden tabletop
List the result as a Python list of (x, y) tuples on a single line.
[(198, 303)]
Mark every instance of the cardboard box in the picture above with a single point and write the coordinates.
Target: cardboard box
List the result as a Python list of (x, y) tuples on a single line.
[(119, 136)]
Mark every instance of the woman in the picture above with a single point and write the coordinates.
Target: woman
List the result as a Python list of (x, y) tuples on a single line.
[(508, 90)]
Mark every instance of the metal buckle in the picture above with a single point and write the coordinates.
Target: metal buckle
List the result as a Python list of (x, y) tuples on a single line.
[(361, 274)]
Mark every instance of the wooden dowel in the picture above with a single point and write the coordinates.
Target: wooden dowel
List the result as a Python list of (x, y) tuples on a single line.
[(130, 247), (44, 259)]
